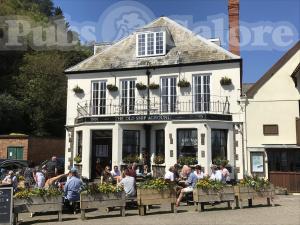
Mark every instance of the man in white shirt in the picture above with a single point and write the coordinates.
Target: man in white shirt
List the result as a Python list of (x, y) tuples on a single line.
[(170, 174), (128, 184), (216, 174)]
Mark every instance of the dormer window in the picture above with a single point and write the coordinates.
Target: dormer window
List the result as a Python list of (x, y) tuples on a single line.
[(151, 44)]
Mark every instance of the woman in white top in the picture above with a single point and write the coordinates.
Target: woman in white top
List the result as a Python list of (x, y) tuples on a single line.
[(170, 174), (225, 174), (216, 174), (198, 172), (39, 178)]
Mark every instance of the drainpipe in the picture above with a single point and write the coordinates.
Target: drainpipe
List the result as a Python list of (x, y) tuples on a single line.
[(148, 73)]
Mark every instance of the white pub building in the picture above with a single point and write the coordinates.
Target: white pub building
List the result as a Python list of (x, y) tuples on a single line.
[(161, 91)]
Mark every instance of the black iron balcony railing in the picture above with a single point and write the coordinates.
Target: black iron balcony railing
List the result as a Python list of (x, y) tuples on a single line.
[(164, 105)]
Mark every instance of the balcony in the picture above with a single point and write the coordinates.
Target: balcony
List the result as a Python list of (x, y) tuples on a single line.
[(188, 104)]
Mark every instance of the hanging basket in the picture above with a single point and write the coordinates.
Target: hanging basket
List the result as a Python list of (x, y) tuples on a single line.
[(183, 83), (112, 87), (141, 86), (225, 81)]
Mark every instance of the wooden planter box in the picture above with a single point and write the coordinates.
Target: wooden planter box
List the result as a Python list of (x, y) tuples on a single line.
[(101, 200), (247, 194), (202, 197), (146, 197), (38, 204), (158, 171)]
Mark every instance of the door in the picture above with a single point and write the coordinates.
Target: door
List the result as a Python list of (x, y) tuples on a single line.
[(127, 96), (168, 94), (101, 151), (284, 168), (15, 153)]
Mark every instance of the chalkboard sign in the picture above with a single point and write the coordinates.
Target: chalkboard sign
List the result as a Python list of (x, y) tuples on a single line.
[(6, 204)]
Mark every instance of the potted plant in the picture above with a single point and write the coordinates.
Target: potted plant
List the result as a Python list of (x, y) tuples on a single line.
[(78, 158), (112, 87), (155, 192), (187, 160), (208, 191), (225, 81), (183, 83), (153, 86), (253, 187), (131, 159), (38, 200), (78, 90), (103, 195), (158, 169), (140, 86)]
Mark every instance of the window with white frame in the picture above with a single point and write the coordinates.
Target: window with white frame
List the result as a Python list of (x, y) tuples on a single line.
[(151, 44), (127, 96), (168, 94), (98, 97), (201, 93)]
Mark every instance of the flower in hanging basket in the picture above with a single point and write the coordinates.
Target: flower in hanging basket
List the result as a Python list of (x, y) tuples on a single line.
[(153, 86), (78, 90), (112, 87), (159, 159), (140, 86), (77, 158), (183, 83), (225, 81)]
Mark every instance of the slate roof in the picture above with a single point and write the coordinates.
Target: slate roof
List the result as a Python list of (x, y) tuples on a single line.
[(187, 48)]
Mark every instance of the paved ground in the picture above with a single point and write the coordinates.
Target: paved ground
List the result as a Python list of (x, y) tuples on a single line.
[(286, 212)]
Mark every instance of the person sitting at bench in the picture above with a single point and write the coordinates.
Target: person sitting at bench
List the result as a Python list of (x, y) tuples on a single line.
[(128, 182), (72, 187), (170, 174), (190, 183)]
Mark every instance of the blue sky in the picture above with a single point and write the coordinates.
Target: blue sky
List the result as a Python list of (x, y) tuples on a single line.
[(270, 15)]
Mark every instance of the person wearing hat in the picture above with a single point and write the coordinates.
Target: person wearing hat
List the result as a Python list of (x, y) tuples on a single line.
[(11, 179), (73, 186), (216, 174)]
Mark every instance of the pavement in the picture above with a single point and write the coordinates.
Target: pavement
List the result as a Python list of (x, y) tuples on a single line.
[(285, 212)]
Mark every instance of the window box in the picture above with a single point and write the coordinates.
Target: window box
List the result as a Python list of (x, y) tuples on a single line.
[(102, 200), (183, 83), (78, 90), (225, 81), (141, 86), (112, 87), (131, 159), (204, 196), (159, 159), (187, 160), (153, 86)]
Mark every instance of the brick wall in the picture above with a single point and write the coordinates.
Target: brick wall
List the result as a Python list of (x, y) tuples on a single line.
[(13, 141), (41, 149)]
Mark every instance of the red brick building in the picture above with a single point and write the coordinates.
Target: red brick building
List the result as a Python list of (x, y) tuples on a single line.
[(31, 148)]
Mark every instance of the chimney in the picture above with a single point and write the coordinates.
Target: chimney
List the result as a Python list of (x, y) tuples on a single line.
[(234, 31)]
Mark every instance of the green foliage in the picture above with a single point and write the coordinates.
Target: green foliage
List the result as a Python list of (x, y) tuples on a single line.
[(183, 83), (11, 112), (38, 192), (112, 87), (105, 188), (187, 160), (225, 81), (78, 90), (141, 86), (156, 184), (257, 183), (131, 159), (220, 161), (159, 159), (78, 158), (34, 81), (153, 86), (207, 184)]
